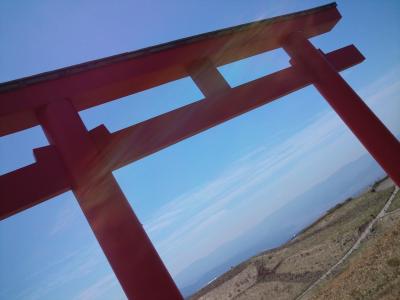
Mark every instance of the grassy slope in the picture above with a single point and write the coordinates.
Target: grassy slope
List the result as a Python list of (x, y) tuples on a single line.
[(395, 203), (284, 272), (373, 272)]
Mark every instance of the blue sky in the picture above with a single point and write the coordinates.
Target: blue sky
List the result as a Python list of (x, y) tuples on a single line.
[(205, 192)]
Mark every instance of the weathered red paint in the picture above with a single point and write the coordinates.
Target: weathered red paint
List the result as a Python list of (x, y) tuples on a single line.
[(83, 161)]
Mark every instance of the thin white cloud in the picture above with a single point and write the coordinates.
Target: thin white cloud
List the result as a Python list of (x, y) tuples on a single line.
[(98, 289), (66, 217), (201, 220), (74, 266)]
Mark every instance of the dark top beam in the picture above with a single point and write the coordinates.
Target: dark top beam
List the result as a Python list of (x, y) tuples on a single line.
[(103, 80)]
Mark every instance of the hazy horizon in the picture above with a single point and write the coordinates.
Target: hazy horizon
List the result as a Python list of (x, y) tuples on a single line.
[(277, 237)]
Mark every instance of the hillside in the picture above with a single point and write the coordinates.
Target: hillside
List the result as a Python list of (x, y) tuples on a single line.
[(271, 232), (286, 272)]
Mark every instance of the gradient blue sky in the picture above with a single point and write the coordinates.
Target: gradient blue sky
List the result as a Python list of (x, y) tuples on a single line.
[(202, 193)]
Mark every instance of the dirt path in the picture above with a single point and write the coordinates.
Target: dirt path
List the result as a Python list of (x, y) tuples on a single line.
[(365, 233)]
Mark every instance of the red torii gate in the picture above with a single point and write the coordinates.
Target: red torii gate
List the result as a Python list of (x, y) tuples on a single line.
[(83, 160)]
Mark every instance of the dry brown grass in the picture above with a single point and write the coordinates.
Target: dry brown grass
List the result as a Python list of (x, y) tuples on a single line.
[(395, 203), (373, 272), (283, 273)]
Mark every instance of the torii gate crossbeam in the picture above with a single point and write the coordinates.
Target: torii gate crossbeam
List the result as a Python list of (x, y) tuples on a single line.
[(83, 160)]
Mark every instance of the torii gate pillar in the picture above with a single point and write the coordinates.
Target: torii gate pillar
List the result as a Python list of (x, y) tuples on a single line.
[(371, 132), (126, 245)]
